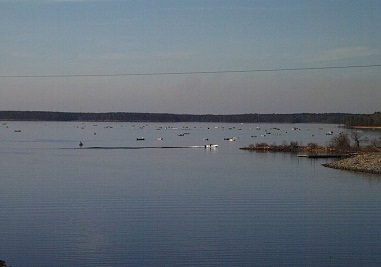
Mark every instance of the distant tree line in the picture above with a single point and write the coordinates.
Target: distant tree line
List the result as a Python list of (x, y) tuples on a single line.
[(363, 119), (337, 118)]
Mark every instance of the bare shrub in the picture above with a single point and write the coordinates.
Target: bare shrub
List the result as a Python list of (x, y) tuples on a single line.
[(376, 143), (356, 137), (293, 145), (312, 146), (341, 141), (261, 144)]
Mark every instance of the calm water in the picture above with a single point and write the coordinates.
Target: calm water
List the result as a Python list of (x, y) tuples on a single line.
[(65, 206)]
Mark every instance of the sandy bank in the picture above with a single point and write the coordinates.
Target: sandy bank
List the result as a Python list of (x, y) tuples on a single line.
[(365, 127), (369, 163)]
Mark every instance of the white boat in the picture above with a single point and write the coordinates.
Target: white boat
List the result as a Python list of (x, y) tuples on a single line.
[(231, 139), (210, 146)]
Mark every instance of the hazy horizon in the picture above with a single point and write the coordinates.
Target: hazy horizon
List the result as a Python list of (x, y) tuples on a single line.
[(69, 38), (195, 114)]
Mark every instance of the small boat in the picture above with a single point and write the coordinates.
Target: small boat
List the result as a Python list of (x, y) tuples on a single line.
[(160, 138), (329, 133), (140, 139), (17, 131), (210, 146)]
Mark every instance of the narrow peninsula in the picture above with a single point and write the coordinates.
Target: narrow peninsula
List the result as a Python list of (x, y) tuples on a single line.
[(353, 157)]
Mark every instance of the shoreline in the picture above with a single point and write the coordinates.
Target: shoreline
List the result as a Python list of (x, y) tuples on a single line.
[(364, 127), (310, 149), (367, 163)]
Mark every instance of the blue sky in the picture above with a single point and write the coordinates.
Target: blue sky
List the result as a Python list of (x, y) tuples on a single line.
[(57, 37)]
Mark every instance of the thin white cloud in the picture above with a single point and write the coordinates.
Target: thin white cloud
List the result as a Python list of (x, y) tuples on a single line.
[(347, 53)]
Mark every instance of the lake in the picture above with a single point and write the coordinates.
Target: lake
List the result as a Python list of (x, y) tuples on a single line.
[(62, 205)]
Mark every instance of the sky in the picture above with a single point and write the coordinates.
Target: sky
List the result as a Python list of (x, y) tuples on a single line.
[(182, 56)]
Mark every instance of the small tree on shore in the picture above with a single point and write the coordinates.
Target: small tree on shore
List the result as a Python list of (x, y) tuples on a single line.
[(294, 145), (356, 137), (341, 142), (377, 143), (312, 147)]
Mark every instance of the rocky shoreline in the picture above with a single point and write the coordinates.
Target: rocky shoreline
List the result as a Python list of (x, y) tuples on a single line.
[(367, 162)]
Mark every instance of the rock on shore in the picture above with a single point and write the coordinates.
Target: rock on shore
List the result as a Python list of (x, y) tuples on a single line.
[(369, 163)]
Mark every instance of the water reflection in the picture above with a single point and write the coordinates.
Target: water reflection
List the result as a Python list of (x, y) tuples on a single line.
[(214, 207)]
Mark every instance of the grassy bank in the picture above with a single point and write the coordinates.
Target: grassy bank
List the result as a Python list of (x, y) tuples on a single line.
[(311, 148), (293, 147)]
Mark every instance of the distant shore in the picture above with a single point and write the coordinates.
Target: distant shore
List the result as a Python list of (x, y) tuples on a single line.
[(344, 119), (368, 163), (333, 118), (365, 127)]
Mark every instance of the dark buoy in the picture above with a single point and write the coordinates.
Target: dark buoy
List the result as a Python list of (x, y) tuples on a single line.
[(80, 144)]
